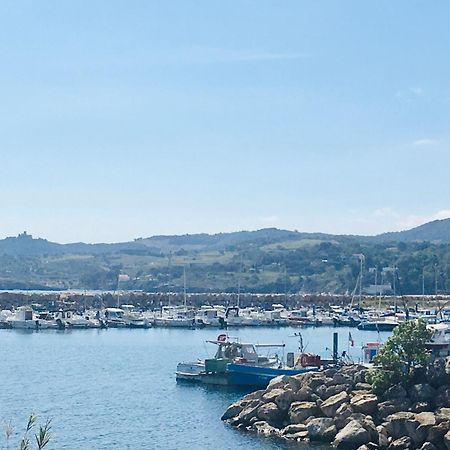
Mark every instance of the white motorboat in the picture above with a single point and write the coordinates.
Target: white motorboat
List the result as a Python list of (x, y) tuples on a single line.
[(24, 318), (439, 345), (172, 316), (71, 319), (133, 318), (208, 316), (115, 318)]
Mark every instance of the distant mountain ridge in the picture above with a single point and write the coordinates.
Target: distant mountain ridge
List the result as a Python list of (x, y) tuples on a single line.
[(267, 260), (437, 231)]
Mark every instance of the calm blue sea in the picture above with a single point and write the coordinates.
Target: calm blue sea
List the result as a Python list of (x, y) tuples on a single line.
[(116, 389)]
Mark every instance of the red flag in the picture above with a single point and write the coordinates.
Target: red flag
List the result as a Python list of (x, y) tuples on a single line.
[(350, 339)]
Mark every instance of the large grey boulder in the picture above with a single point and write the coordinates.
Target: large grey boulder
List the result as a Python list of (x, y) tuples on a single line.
[(331, 405), (271, 395), (426, 418), (353, 370), (233, 410), (442, 398), (321, 429), (270, 413), (416, 432), (364, 403), (368, 423), (330, 372), (383, 438), (396, 391), (293, 428), (401, 443), (317, 380), (368, 446), (396, 424), (428, 446), (436, 434), (403, 424), (422, 393), (264, 428), (419, 407), (329, 391), (247, 414), (283, 381), (296, 432), (389, 407), (341, 378), (256, 395), (447, 440), (284, 399), (342, 416), (442, 414), (299, 411), (351, 436), (437, 374), (303, 394), (360, 375)]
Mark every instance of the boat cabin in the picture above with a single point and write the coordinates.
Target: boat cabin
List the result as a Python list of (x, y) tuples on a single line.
[(370, 350), (114, 313), (238, 352), (438, 346)]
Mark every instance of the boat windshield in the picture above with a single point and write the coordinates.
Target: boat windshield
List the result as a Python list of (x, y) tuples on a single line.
[(232, 350)]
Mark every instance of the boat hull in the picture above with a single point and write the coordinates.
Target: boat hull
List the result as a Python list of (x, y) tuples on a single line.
[(376, 326), (246, 375), (190, 371)]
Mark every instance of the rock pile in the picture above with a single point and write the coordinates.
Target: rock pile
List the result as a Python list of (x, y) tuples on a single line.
[(337, 406)]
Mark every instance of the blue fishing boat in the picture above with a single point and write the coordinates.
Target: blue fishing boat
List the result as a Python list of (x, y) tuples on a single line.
[(238, 364), (246, 375)]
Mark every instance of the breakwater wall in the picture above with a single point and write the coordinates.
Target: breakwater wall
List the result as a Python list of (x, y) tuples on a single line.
[(155, 300)]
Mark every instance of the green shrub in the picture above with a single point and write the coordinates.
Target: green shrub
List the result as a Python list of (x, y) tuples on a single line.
[(402, 352)]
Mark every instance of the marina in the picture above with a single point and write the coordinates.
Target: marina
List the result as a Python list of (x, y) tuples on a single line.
[(39, 317)]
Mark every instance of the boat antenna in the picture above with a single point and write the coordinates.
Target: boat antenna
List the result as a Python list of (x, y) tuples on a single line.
[(239, 282), (301, 345)]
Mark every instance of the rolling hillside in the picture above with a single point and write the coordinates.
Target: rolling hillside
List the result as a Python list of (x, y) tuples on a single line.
[(268, 260)]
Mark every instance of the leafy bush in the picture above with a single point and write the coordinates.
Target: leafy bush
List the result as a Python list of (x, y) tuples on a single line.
[(400, 355)]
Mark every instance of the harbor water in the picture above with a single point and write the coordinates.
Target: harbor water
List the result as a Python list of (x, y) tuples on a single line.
[(116, 388)]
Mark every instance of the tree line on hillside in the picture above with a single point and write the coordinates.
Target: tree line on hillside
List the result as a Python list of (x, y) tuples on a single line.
[(315, 266)]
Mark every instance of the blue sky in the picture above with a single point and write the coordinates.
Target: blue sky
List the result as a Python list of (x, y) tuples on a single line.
[(124, 119)]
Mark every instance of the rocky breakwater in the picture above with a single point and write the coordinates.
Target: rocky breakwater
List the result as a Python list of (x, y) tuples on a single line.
[(338, 407)]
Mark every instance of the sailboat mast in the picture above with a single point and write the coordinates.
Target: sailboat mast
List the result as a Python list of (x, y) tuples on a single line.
[(239, 292), (361, 261), (423, 282), (239, 281), (184, 286), (118, 281)]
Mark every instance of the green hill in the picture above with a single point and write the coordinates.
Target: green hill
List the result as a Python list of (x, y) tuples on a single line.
[(268, 260), (436, 231)]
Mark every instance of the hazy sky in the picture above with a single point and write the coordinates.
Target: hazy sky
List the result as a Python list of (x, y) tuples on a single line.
[(124, 119)]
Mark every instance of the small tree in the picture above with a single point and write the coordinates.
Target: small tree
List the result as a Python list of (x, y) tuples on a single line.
[(401, 353)]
